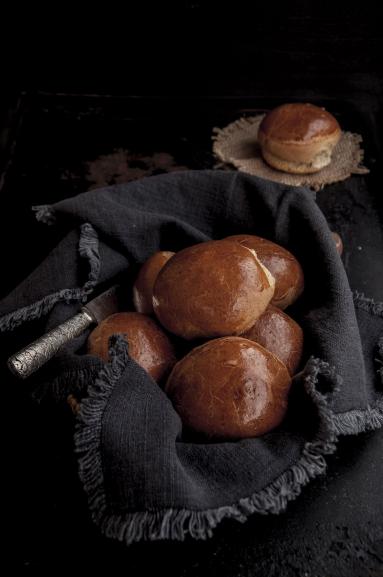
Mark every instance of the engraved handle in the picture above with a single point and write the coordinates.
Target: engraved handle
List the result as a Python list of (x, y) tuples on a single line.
[(32, 357)]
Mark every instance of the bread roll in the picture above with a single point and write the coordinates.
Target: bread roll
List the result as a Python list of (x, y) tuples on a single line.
[(229, 388), (143, 286), (279, 334), (298, 138), (212, 289), (338, 242), (288, 273), (148, 344)]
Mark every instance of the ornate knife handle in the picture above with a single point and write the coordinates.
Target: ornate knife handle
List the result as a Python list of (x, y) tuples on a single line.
[(35, 355)]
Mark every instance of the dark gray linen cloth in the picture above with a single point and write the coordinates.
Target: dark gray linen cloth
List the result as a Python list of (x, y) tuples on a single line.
[(144, 479)]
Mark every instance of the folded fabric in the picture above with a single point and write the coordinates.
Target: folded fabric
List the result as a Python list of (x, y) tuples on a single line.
[(144, 479)]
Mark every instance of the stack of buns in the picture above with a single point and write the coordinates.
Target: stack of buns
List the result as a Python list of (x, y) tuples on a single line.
[(229, 294), (223, 299)]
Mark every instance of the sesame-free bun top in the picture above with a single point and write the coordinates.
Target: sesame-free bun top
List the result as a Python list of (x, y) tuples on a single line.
[(212, 289), (229, 388), (279, 334), (143, 286), (298, 138), (288, 273), (148, 345)]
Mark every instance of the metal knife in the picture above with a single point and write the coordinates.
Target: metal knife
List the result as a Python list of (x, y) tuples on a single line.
[(33, 356)]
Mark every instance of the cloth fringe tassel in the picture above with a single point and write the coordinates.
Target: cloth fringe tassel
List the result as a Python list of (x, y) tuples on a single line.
[(88, 250)]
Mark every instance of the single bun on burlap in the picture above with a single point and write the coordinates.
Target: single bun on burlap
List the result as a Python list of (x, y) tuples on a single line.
[(298, 138), (288, 273), (143, 286), (279, 334), (148, 345), (229, 388), (212, 289)]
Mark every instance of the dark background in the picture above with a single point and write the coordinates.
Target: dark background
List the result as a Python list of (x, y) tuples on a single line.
[(93, 98)]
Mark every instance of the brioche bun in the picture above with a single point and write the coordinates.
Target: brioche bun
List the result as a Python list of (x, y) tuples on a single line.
[(229, 388), (143, 286), (288, 273), (279, 334), (298, 138), (148, 345), (212, 289), (338, 242)]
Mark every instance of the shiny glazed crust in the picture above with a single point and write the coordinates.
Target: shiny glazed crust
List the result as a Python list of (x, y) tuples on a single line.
[(149, 346), (143, 286), (298, 138), (279, 334), (229, 388), (212, 289), (288, 273)]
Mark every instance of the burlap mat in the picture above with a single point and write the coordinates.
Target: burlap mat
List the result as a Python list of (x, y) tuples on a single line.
[(237, 144)]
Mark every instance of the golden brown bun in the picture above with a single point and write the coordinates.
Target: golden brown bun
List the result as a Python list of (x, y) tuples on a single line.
[(143, 286), (148, 344), (229, 388), (298, 138), (212, 289), (338, 242), (279, 334), (288, 273)]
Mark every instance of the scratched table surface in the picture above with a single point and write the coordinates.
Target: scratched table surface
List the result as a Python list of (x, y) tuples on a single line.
[(58, 145)]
